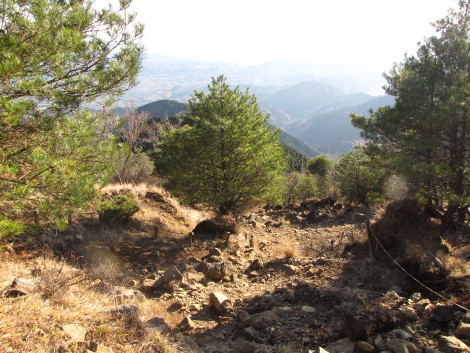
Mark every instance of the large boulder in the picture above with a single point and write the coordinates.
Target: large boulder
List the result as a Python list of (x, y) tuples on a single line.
[(216, 226)]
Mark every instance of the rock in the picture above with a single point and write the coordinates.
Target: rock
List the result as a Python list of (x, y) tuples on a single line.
[(409, 313), (75, 332), (463, 331), (215, 252), (252, 334), (443, 313), (219, 301), (416, 297), (257, 322), (172, 274), (256, 264), (341, 346), (243, 315), (309, 309), (291, 217), (215, 271), (187, 324), (290, 269), (364, 346), (319, 350), (380, 343), (401, 334), (422, 305), (449, 344), (22, 286), (311, 216), (397, 345), (216, 226), (269, 316), (243, 346), (126, 295), (195, 307)]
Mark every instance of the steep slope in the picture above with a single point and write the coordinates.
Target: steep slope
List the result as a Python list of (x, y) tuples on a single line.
[(331, 132)]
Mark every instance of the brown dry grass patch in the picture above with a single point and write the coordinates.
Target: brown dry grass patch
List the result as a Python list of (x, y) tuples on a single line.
[(33, 323)]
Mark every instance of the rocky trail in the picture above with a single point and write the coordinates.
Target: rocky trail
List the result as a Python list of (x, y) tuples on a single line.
[(290, 280)]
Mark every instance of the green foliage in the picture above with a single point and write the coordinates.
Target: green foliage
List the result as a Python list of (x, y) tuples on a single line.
[(297, 161), (9, 229), (322, 167), (54, 56), (132, 167), (300, 187), (358, 178), (319, 165), (425, 137), (226, 155), (117, 209)]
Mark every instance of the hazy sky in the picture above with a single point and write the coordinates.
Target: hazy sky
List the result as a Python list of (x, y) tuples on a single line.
[(369, 33)]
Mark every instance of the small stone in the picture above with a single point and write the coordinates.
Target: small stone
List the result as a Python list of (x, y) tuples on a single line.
[(218, 299), (21, 286), (187, 324), (195, 307), (289, 295), (172, 274), (243, 346), (256, 264), (397, 345), (306, 341), (443, 313), (76, 332), (409, 314), (309, 309), (364, 346), (416, 297), (341, 346), (215, 252), (463, 331), (243, 315), (422, 305), (319, 350), (251, 334), (401, 334), (290, 270), (257, 322), (449, 344), (269, 316), (380, 343), (215, 271)]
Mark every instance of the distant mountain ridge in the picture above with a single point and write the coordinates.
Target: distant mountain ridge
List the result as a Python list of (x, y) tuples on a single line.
[(164, 108), (167, 108), (306, 101)]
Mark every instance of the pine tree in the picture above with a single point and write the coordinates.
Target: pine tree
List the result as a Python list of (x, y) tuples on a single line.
[(226, 155), (54, 56), (425, 137)]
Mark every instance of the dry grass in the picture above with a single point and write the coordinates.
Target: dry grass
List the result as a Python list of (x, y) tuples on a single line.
[(173, 216), (33, 323), (285, 251)]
